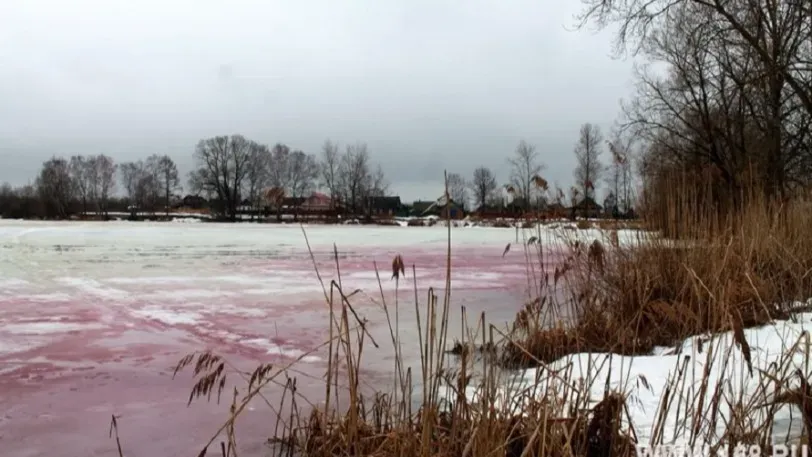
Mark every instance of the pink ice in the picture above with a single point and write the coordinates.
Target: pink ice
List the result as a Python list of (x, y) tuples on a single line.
[(93, 318)]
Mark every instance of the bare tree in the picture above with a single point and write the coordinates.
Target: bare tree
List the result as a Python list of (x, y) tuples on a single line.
[(222, 165), (21, 202), (92, 176), (130, 175), (736, 107), (377, 184), (458, 190), (165, 173), (99, 180), (330, 168), (303, 171), (354, 177), (105, 181), (278, 174), (777, 32), (141, 185), (483, 185), (200, 185), (55, 187), (148, 190), (525, 166), (374, 185), (258, 174), (620, 173), (81, 169), (588, 167)]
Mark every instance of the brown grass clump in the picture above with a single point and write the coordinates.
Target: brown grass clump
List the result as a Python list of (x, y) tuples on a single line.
[(604, 437), (750, 270), (612, 224), (534, 434), (736, 270)]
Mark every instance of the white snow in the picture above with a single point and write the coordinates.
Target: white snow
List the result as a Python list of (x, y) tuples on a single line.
[(12, 283), (44, 328), (12, 347), (274, 349), (43, 298), (94, 287), (185, 294), (777, 350), (169, 316)]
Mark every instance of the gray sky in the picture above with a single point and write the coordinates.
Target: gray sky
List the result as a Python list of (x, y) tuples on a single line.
[(428, 84)]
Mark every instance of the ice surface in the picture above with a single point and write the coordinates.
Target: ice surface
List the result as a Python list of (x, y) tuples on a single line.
[(94, 316)]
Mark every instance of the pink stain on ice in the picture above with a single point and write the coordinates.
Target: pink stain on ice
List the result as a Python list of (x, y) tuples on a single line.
[(91, 345)]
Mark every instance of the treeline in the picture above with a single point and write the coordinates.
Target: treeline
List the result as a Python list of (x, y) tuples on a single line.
[(731, 114), (228, 171), (234, 171), (62, 188), (87, 185), (527, 190)]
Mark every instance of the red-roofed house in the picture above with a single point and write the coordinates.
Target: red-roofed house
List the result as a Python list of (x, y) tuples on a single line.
[(317, 202)]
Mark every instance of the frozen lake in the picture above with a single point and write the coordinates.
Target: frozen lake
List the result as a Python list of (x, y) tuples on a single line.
[(94, 316)]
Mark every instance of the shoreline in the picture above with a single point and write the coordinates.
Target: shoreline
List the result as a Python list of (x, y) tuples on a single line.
[(411, 222)]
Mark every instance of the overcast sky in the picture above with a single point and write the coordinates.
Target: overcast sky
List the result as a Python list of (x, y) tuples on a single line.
[(427, 84)]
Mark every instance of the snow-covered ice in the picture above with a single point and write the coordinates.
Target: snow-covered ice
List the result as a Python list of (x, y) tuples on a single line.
[(94, 316)]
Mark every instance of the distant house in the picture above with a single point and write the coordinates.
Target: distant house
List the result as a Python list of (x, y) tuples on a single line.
[(419, 207), (246, 206), (516, 206), (445, 208), (587, 208), (519, 203), (492, 210), (193, 202), (556, 211), (175, 201), (293, 203), (384, 206), (317, 202)]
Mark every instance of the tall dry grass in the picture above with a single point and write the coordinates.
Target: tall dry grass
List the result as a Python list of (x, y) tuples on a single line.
[(727, 271), (609, 297)]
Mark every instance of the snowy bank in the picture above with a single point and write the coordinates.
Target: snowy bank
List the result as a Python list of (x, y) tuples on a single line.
[(777, 351)]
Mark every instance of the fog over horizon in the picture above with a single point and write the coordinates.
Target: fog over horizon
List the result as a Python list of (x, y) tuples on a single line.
[(428, 85)]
